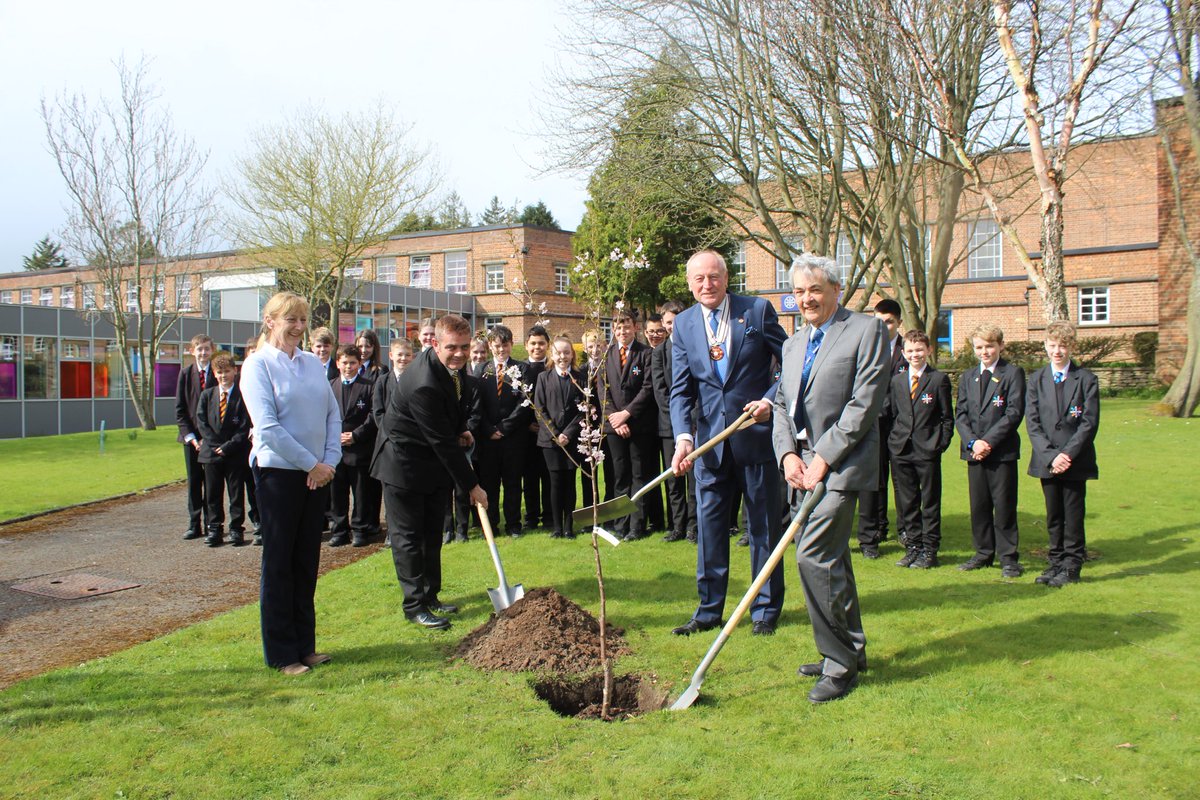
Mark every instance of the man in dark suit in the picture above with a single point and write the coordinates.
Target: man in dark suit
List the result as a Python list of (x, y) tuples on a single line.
[(722, 360), (835, 376), (353, 393), (503, 430), (224, 447), (193, 379), (873, 503), (991, 403), (681, 503), (421, 462), (1062, 415), (921, 428), (631, 418)]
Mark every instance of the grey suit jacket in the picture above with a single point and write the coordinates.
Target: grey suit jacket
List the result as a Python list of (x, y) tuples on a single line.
[(845, 392)]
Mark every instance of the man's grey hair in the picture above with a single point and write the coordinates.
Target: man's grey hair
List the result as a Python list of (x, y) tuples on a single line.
[(821, 266)]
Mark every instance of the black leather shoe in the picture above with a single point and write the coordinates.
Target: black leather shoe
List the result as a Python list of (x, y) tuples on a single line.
[(674, 536), (438, 607), (358, 541), (744, 540), (461, 537), (812, 670), (910, 556), (339, 540), (1013, 570), (1064, 577), (975, 562), (763, 628), (237, 538), (925, 560), (830, 688), (214, 540), (447, 537), (1047, 575), (192, 535), (692, 537), (870, 551), (514, 533), (428, 620), (257, 539), (694, 626)]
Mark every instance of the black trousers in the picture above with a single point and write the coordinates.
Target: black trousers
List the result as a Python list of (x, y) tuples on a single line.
[(459, 514), (992, 489), (195, 486), (919, 502), (1066, 503), (350, 480), (292, 519), (251, 498), (501, 465), (681, 508), (414, 521), (873, 503), (631, 459), (219, 476), (536, 482), (562, 474), (373, 503), (593, 494)]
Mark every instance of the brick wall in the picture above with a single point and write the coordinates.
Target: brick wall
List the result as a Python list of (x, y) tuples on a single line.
[(1175, 270)]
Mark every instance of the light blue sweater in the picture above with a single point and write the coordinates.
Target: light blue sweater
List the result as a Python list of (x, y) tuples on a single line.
[(297, 423)]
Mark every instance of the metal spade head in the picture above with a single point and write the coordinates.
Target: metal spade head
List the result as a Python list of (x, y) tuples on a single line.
[(505, 596), (605, 512)]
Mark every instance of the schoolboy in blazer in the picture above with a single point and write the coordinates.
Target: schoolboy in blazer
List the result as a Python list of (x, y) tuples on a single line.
[(557, 399), (502, 431), (987, 414), (193, 379), (1062, 415), (224, 429), (631, 418), (353, 394), (922, 424), (681, 491)]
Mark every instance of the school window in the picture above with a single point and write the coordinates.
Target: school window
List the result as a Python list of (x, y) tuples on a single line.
[(131, 296), (66, 297), (944, 334), (160, 294), (783, 278), (89, 297), (844, 255), (354, 269), (984, 260), (8, 367), (562, 278), (6, 297), (183, 293), (27, 297), (46, 298), (491, 322), (385, 269), (456, 271), (606, 329), (737, 269), (1093, 305), (493, 276), (418, 271)]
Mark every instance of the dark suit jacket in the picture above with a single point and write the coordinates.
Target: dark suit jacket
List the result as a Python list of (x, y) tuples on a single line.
[(993, 412), (354, 401), (700, 403), (232, 435), (899, 367), (187, 395), (559, 405), (922, 427), (1069, 428), (630, 389), (380, 391), (331, 368), (421, 428), (660, 378), (503, 412)]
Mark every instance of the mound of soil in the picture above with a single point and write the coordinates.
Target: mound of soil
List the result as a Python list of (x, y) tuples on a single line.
[(543, 631), (631, 695)]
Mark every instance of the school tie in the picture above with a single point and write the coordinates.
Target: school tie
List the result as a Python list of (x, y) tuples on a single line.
[(203, 372), (624, 357), (912, 392), (721, 365), (457, 384), (221, 407), (1058, 389), (1058, 377), (499, 379), (985, 387)]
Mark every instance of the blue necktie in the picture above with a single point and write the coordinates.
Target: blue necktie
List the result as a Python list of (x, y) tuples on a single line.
[(810, 355), (1059, 377), (722, 365)]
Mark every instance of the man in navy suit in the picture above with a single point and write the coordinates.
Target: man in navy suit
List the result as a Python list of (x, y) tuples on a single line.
[(722, 361)]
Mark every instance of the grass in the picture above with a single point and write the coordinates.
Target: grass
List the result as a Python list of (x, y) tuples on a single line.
[(979, 687), (46, 472)]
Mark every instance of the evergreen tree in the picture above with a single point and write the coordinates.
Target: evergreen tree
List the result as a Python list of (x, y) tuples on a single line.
[(498, 214), (452, 213), (46, 255), (540, 216)]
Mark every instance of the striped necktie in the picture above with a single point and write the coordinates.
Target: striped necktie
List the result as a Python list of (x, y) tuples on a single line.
[(224, 396), (912, 392), (499, 379), (624, 357)]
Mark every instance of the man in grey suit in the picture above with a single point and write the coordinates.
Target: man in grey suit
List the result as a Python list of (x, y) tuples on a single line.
[(835, 376)]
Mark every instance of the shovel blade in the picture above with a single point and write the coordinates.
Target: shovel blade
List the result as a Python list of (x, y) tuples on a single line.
[(604, 512), (505, 596), (689, 696)]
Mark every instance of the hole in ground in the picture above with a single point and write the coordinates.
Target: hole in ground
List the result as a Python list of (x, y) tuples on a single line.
[(582, 698)]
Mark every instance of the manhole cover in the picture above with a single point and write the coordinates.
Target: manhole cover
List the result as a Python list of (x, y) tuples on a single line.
[(73, 586)]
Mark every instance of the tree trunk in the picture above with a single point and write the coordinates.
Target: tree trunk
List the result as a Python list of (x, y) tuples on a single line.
[(1184, 394), (1054, 296)]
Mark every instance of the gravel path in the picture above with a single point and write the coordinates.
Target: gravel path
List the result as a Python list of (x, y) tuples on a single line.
[(136, 539)]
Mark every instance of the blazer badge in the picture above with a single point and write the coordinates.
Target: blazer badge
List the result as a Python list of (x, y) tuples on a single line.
[(361, 404), (1075, 411), (927, 398), (635, 370), (998, 401)]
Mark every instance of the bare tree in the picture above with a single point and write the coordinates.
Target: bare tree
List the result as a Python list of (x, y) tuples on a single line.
[(1182, 44), (317, 193), (138, 210)]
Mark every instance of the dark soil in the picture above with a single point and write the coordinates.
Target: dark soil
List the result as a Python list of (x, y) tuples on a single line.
[(582, 698), (543, 631)]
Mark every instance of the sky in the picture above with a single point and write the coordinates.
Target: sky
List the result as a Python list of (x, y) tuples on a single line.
[(467, 74)]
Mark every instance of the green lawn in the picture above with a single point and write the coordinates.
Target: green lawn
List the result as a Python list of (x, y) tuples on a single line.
[(978, 688), (45, 472)]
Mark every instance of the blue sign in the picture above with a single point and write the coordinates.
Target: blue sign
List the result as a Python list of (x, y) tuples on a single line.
[(788, 303)]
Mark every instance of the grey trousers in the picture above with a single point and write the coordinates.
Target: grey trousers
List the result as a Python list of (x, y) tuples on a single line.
[(823, 555)]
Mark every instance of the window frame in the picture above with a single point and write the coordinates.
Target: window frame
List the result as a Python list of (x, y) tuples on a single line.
[(975, 250), (489, 286), (452, 257), (1102, 316), (414, 271)]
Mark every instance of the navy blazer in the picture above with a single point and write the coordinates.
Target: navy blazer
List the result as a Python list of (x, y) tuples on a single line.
[(660, 378), (558, 403), (187, 396), (630, 389), (503, 411), (354, 401), (756, 345), (993, 412), (1069, 428), (921, 426), (231, 435)]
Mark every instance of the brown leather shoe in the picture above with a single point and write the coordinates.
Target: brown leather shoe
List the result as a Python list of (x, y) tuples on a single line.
[(295, 669), (313, 659)]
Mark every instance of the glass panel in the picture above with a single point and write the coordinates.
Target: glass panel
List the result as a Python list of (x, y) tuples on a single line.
[(40, 374), (456, 272), (8, 368), (102, 385), (166, 378)]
